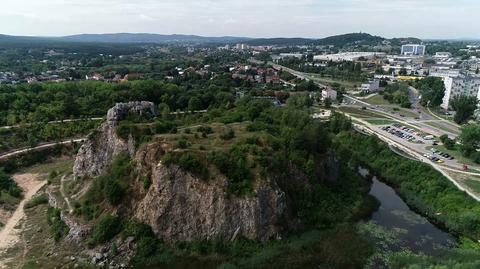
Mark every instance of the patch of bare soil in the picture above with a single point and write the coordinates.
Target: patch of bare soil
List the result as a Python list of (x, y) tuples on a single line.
[(9, 234)]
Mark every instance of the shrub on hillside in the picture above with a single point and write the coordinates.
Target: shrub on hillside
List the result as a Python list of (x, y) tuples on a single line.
[(106, 229)]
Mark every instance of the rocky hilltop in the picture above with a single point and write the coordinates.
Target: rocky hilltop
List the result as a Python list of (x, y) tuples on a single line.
[(96, 154), (178, 205)]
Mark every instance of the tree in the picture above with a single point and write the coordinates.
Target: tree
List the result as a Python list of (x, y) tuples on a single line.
[(447, 142), (328, 103), (194, 104), (465, 107), (432, 90), (470, 139)]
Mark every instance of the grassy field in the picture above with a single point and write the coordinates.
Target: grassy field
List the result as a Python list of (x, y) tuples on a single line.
[(473, 184), (212, 141), (360, 113), (440, 126), (377, 100), (60, 165), (381, 121)]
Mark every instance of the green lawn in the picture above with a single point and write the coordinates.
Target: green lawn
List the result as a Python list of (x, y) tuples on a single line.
[(381, 121), (377, 100), (61, 165), (473, 184), (360, 113), (441, 127)]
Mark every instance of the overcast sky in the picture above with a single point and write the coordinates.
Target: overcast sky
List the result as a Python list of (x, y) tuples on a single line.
[(252, 18)]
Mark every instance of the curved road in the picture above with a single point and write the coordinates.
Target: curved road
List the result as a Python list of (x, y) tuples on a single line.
[(51, 122), (44, 146)]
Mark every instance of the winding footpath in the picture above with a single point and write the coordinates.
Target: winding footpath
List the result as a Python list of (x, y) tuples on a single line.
[(9, 234)]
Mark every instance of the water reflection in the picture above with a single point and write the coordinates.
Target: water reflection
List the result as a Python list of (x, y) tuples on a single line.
[(406, 229)]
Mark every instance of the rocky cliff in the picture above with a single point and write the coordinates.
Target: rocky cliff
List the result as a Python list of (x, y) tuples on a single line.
[(182, 207), (178, 205), (98, 151)]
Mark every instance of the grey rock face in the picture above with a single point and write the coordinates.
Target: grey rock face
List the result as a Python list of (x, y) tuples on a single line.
[(181, 207), (98, 151), (121, 110)]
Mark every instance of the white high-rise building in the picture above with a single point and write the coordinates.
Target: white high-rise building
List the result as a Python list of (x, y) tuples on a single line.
[(460, 86), (413, 49)]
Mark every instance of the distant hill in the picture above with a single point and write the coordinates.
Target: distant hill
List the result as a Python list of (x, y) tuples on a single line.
[(141, 38), (149, 38), (280, 41), (339, 40), (351, 39)]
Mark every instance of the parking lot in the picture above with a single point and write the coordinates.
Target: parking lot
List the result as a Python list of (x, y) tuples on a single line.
[(405, 133), (418, 141)]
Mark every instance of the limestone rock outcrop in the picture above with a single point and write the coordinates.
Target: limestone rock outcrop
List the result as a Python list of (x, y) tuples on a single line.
[(182, 207), (101, 147)]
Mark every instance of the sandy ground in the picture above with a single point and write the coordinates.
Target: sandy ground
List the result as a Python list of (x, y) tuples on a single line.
[(9, 235)]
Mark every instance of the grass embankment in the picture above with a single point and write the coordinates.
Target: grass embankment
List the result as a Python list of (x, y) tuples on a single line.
[(377, 100)]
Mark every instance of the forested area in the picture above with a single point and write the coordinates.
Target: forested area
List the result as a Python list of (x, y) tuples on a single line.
[(56, 101)]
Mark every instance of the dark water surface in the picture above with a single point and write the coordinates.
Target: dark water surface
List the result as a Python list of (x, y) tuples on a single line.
[(411, 230)]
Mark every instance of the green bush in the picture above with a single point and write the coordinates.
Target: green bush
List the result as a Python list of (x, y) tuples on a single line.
[(163, 127), (183, 144), (205, 130), (37, 200), (147, 182), (235, 167), (8, 185), (192, 163), (112, 191), (230, 134), (188, 161), (106, 229), (58, 227)]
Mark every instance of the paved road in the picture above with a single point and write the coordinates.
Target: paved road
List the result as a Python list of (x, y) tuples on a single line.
[(44, 146), (51, 122)]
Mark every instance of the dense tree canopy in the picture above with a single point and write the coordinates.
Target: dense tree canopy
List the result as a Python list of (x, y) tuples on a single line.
[(432, 90), (464, 107), (470, 139)]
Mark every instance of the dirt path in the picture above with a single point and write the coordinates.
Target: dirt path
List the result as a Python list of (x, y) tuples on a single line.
[(9, 235), (62, 192)]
